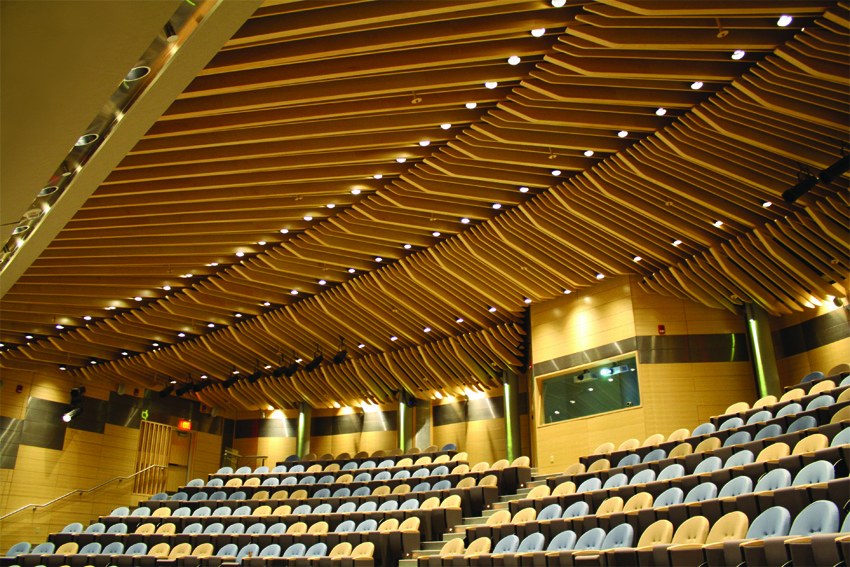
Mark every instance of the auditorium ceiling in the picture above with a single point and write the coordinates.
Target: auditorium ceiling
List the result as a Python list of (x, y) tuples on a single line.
[(410, 176)]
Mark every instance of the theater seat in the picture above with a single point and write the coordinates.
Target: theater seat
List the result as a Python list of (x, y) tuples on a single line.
[(658, 533), (773, 522), (732, 526), (821, 548), (819, 517), (692, 530)]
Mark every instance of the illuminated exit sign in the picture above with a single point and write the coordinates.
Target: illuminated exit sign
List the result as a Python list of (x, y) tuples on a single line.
[(184, 425)]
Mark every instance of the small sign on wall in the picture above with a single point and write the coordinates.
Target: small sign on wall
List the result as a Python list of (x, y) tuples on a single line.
[(662, 330), (184, 425)]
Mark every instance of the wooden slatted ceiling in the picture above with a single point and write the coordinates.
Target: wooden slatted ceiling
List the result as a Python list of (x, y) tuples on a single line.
[(309, 101)]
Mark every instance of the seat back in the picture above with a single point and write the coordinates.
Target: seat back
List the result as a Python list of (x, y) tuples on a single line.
[(550, 512), (272, 550), (531, 543), (739, 407), (256, 529), (564, 541), (622, 535), (401, 489), (564, 489), (692, 530), (410, 504), (704, 429), (198, 496), (215, 483), (735, 487), (46, 548), (639, 501), (679, 435), (363, 550), (681, 450), (235, 529), (443, 485), (629, 460), (389, 505), (629, 445), (181, 550), (599, 465), (591, 539), (603, 449), (738, 438), (271, 481), (452, 547), (345, 527), (228, 550), (369, 525), (769, 432), (765, 401), (671, 472), (773, 480), (525, 515), (616, 481), (774, 452), (179, 496), (775, 521), (19, 548), (842, 438), (790, 409), (214, 528), (368, 506), (498, 518), (811, 443), (477, 547), (610, 506), (160, 550), (250, 550), (114, 548), (814, 473), (708, 465), (708, 444), (297, 528), (166, 529), (657, 533), (324, 508), (388, 525), (643, 477), (341, 550), (71, 547), (576, 510), (820, 402), (589, 485), (540, 491), (222, 495), (733, 525), (93, 548), (422, 487), (739, 459), (817, 375), (654, 455), (759, 417), (276, 529), (507, 544), (701, 492), (794, 394)]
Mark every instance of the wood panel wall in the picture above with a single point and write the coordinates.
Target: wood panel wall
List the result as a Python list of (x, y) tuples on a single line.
[(673, 395), (85, 460)]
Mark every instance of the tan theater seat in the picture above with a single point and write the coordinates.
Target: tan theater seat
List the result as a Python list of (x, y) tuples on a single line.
[(599, 465), (498, 518), (679, 435), (773, 452), (820, 387), (764, 402), (564, 489), (681, 450), (524, 516), (260, 495), (603, 449), (160, 550), (462, 456), (540, 491), (253, 481), (708, 444), (739, 407), (481, 467), (653, 440), (794, 394), (629, 445), (180, 550), (610, 506), (574, 469), (637, 502)]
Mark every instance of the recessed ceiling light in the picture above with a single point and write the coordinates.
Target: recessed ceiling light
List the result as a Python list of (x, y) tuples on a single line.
[(210, 325), (355, 191), (293, 292), (738, 54), (590, 389), (262, 242), (696, 85), (784, 20), (661, 111), (523, 189), (424, 143), (491, 84), (556, 172), (435, 233), (766, 204), (186, 276), (514, 60), (125, 353), (361, 345), (351, 270), (378, 176), (559, 3), (266, 303), (322, 282), (445, 126), (718, 223), (238, 315), (240, 254), (181, 335), (87, 318), (588, 153), (308, 218), (28, 337), (567, 292), (401, 159), (393, 338), (47, 191), (492, 310), (464, 220), (497, 205), (637, 258), (527, 300), (137, 298), (538, 32), (86, 140), (330, 205), (677, 242), (427, 329), (110, 308), (298, 359), (623, 133), (378, 259), (166, 287), (459, 320), (407, 247), (92, 362), (203, 376), (154, 344), (557, 412), (471, 105), (600, 276), (284, 231)]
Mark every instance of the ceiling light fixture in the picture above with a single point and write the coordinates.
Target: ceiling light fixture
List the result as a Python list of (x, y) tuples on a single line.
[(445, 126), (661, 111), (137, 298), (361, 345), (766, 204), (378, 259), (471, 105), (464, 220), (238, 315), (407, 247), (125, 353), (637, 258), (293, 292), (559, 3), (491, 84), (355, 191), (60, 327), (523, 189), (538, 32), (738, 54), (240, 254), (210, 325), (527, 300), (351, 270), (677, 242), (459, 320), (567, 292), (492, 310), (718, 223), (514, 60), (266, 304), (393, 338), (600, 276), (87, 318), (588, 153), (308, 218), (401, 159), (378, 176), (556, 172), (330, 205), (181, 335), (424, 143), (784, 21), (497, 205), (623, 133), (435, 233), (322, 282), (284, 231), (696, 85), (166, 287), (427, 329), (28, 337)]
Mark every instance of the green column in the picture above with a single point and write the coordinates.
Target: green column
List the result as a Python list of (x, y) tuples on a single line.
[(305, 418), (513, 444), (762, 353), (405, 421)]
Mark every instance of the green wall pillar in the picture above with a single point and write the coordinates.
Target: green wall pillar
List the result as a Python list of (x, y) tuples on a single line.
[(305, 418), (513, 441), (761, 350), (406, 431)]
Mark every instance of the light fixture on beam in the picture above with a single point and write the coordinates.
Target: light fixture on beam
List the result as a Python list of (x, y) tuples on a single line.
[(317, 360), (340, 355), (806, 181), (837, 169)]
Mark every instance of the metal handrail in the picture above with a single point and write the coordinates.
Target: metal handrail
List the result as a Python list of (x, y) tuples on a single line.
[(79, 491)]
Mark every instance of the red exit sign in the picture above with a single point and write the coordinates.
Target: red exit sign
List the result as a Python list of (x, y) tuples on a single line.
[(184, 425)]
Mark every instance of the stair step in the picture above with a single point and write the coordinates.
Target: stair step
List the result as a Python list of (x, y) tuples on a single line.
[(408, 563), (431, 546), (535, 483), (453, 535)]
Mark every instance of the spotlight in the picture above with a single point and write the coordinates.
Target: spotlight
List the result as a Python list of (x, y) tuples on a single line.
[(835, 170), (255, 376), (165, 392), (71, 415), (340, 355), (234, 378), (317, 360), (806, 182), (77, 394), (201, 385), (170, 34), (185, 388)]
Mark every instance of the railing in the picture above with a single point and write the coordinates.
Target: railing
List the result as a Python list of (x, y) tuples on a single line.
[(79, 491), (253, 460)]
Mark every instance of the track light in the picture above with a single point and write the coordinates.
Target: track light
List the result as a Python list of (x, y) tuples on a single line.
[(340, 355), (255, 376), (835, 170), (806, 182), (170, 34), (71, 415), (201, 385), (165, 392), (184, 388), (317, 360), (77, 395), (234, 378)]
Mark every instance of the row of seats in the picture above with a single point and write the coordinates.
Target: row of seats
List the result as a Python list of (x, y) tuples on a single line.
[(348, 466), (770, 539), (395, 452), (163, 554)]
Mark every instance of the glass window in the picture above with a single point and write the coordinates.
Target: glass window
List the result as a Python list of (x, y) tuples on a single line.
[(591, 390)]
